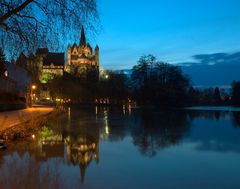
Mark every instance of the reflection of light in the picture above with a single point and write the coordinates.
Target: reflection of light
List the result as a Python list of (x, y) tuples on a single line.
[(124, 110), (69, 113), (96, 110), (106, 122), (107, 130), (130, 109)]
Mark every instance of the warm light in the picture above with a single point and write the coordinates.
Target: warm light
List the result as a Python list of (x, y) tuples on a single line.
[(6, 73), (107, 130), (96, 110), (34, 87), (106, 76), (33, 136), (69, 113), (48, 98), (124, 109)]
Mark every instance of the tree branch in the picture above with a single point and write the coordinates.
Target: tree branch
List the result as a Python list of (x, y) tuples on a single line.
[(14, 11)]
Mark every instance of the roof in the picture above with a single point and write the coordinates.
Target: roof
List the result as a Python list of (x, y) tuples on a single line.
[(57, 59), (42, 51), (83, 38)]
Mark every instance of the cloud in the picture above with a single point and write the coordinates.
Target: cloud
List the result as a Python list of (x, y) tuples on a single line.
[(213, 69)]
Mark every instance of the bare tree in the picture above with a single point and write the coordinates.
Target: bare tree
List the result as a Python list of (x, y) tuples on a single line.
[(28, 24)]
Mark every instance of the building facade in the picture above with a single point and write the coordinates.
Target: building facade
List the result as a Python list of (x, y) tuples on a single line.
[(42, 65), (50, 62)]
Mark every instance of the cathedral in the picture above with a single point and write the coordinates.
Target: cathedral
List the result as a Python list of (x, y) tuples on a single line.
[(81, 60)]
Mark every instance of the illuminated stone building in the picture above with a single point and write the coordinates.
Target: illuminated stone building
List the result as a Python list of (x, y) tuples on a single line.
[(42, 64), (81, 60), (50, 62)]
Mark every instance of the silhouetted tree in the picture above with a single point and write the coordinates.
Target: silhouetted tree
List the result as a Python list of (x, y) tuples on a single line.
[(69, 88), (27, 24), (114, 87), (2, 62), (193, 97), (236, 93), (156, 131), (207, 96), (142, 77), (236, 119), (217, 96), (158, 83), (92, 74)]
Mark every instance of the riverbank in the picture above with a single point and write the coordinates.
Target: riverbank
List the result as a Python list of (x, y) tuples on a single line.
[(24, 123), (12, 118)]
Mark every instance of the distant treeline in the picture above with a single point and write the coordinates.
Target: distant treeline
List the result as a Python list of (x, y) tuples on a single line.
[(152, 83)]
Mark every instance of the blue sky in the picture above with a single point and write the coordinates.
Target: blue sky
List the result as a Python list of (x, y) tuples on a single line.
[(172, 30)]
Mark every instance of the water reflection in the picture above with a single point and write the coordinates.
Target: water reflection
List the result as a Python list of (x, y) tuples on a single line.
[(74, 140), (236, 119), (213, 115), (82, 148), (215, 132), (159, 130)]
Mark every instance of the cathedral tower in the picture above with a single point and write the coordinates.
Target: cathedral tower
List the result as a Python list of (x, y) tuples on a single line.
[(81, 58)]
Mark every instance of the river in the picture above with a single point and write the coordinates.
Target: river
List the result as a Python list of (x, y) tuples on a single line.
[(111, 148)]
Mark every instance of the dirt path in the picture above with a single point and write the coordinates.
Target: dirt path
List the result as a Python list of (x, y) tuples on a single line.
[(13, 118)]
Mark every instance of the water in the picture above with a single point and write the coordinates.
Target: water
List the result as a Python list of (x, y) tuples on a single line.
[(106, 148)]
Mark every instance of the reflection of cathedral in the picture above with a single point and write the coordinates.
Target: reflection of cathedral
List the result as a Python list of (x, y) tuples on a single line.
[(81, 147), (81, 150)]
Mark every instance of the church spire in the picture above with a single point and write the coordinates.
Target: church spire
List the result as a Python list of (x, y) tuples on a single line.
[(83, 38)]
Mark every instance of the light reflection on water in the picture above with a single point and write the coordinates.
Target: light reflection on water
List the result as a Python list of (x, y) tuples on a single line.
[(101, 147)]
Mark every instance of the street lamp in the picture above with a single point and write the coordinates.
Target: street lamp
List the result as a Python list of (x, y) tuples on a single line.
[(33, 87)]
